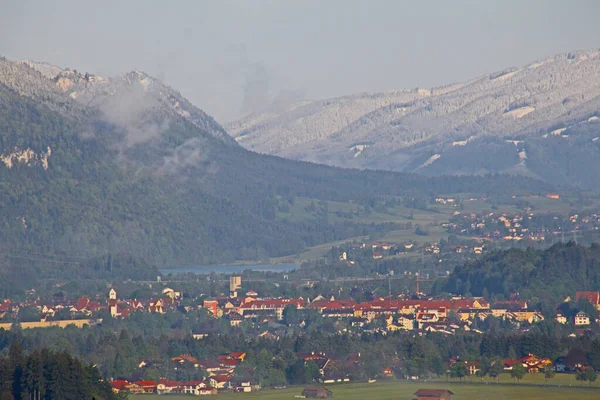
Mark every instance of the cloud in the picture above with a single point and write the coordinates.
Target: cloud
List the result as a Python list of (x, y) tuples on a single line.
[(134, 110), (188, 155), (256, 90), (286, 98)]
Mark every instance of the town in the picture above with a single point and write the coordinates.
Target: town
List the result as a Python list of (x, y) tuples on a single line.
[(274, 318)]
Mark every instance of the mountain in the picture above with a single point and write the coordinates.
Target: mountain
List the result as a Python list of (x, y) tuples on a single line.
[(93, 167), (124, 100), (519, 120)]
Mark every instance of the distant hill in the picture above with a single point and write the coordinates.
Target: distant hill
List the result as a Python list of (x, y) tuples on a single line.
[(529, 120), (546, 275), (94, 166)]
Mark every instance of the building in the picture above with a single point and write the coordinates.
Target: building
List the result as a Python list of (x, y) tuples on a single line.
[(235, 319), (582, 319), (561, 319), (433, 394), (317, 392), (530, 362), (235, 284)]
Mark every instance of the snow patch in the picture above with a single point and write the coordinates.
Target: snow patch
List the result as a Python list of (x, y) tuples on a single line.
[(460, 143), (536, 65), (558, 131), (519, 112), (595, 139), (430, 160), (592, 119), (515, 142), (358, 149), (505, 76)]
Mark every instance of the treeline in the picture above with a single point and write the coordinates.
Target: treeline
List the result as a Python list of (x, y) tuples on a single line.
[(545, 276), (274, 362), (49, 375)]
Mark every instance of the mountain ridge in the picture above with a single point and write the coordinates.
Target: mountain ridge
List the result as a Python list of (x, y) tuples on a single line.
[(392, 131)]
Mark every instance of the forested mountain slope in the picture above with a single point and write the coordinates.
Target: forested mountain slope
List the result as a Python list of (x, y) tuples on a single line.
[(483, 125), (81, 179)]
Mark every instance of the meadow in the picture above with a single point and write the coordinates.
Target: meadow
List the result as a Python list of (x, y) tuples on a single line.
[(430, 219), (532, 387)]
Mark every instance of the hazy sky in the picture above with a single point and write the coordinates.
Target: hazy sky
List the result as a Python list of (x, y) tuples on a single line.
[(215, 51)]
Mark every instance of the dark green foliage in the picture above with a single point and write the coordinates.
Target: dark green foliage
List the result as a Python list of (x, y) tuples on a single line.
[(49, 375), (518, 371), (459, 370), (570, 161), (548, 276), (180, 198), (587, 375)]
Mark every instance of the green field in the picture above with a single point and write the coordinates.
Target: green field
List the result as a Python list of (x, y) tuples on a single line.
[(403, 390), (430, 219)]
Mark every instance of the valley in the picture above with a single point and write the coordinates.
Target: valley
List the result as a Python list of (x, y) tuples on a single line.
[(299, 199)]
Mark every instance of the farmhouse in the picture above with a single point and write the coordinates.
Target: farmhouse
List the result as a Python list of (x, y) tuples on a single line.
[(317, 392)]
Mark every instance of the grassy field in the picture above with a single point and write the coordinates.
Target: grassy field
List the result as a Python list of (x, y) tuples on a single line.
[(402, 390), (430, 219)]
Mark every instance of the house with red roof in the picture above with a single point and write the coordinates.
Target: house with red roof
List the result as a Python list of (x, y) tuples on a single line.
[(270, 306), (119, 385), (219, 381), (238, 355), (186, 358), (592, 297), (165, 386), (197, 388), (147, 386), (531, 362)]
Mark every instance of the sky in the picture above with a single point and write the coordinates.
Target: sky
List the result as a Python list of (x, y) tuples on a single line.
[(234, 57)]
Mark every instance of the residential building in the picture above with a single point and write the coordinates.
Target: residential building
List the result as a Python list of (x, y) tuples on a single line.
[(582, 319)]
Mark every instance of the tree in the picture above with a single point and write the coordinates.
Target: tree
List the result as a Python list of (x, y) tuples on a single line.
[(496, 369), (549, 373), (16, 360), (311, 371), (291, 315), (593, 356), (588, 375), (459, 370), (276, 378), (518, 371), (296, 373)]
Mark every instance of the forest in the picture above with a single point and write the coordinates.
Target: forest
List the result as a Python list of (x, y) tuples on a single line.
[(118, 347), (182, 198), (545, 276), (44, 374)]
